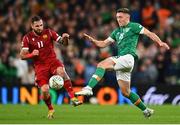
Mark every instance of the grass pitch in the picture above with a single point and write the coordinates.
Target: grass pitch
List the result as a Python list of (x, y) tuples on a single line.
[(87, 114)]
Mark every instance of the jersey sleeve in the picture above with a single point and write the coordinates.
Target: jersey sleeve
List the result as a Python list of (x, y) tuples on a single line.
[(55, 36), (25, 43), (138, 28), (112, 36)]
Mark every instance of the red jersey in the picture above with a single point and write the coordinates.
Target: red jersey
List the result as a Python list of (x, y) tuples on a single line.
[(43, 43)]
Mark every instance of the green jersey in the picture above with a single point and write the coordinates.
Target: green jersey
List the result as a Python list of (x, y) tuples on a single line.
[(126, 38)]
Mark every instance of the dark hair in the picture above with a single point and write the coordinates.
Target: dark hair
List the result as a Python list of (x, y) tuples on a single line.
[(123, 10), (35, 18)]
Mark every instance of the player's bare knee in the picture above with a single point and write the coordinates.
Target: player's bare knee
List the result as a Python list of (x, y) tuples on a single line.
[(106, 64), (66, 77), (61, 73), (45, 88), (125, 92), (45, 91), (100, 65), (103, 65)]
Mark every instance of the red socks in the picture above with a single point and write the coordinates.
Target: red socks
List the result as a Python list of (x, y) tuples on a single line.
[(48, 103), (69, 89)]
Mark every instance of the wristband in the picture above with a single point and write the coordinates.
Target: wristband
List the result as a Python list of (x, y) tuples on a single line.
[(59, 39), (30, 55)]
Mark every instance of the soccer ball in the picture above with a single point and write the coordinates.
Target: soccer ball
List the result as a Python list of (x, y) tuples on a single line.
[(56, 82)]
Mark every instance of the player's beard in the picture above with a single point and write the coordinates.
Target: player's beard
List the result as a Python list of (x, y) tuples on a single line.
[(38, 32)]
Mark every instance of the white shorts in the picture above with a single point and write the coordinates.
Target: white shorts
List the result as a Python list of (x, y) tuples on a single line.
[(123, 66)]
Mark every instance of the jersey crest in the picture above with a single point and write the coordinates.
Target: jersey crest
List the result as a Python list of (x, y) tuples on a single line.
[(45, 36), (120, 36)]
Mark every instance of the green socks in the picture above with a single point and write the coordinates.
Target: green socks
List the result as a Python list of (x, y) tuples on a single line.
[(137, 101), (97, 76)]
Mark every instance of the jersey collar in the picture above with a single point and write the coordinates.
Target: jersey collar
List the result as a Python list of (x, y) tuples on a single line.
[(126, 25)]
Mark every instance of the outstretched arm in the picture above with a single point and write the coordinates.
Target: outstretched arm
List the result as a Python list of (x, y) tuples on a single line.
[(99, 43), (155, 38)]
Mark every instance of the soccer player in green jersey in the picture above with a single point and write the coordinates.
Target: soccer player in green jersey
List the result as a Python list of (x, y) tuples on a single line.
[(126, 38)]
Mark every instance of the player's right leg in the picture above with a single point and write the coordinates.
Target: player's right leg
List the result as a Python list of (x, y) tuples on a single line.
[(42, 79), (96, 77), (47, 99)]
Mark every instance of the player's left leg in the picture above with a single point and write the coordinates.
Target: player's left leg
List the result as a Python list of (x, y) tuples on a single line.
[(68, 86), (134, 98)]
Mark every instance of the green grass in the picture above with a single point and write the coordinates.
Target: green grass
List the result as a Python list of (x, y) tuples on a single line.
[(107, 114)]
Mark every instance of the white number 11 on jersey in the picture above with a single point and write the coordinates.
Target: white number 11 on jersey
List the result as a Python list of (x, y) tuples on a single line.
[(40, 44)]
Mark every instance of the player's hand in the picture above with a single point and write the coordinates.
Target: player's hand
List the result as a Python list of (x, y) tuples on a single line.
[(165, 45), (88, 37), (65, 35), (65, 39), (35, 52)]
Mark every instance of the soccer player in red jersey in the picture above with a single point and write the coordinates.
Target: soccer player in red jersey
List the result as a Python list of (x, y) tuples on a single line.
[(38, 45)]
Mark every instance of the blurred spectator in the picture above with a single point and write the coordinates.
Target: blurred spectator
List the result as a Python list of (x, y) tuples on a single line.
[(163, 14), (173, 70), (160, 64), (90, 68), (30, 77), (146, 73), (22, 68), (135, 12), (96, 18), (149, 16)]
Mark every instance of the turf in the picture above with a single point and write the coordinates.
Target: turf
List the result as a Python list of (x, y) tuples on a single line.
[(88, 114)]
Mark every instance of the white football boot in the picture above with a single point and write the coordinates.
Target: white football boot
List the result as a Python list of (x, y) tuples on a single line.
[(85, 91)]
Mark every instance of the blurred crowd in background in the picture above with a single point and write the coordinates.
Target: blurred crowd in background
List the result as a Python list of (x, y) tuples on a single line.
[(97, 18)]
